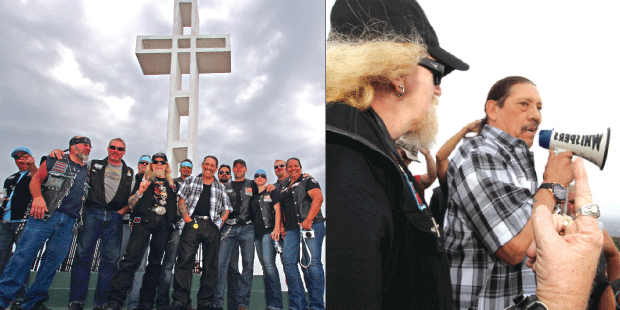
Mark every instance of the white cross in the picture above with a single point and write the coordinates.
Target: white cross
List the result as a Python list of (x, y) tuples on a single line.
[(180, 54)]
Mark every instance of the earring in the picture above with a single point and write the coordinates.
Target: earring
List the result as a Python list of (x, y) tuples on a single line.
[(402, 91)]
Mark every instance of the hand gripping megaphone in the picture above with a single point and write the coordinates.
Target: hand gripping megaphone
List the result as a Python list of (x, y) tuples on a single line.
[(590, 146)]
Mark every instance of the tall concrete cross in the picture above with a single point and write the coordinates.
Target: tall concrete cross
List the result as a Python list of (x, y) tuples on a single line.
[(183, 54)]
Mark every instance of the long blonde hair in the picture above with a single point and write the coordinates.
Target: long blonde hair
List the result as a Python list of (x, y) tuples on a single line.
[(354, 68), (151, 176)]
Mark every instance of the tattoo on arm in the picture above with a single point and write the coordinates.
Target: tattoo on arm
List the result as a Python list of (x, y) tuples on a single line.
[(133, 200), (183, 207)]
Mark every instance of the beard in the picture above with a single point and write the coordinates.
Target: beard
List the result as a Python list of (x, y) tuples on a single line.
[(82, 156), (159, 173), (422, 134)]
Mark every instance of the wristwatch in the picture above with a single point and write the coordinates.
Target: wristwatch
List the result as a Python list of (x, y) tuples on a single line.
[(591, 210), (527, 303), (558, 191)]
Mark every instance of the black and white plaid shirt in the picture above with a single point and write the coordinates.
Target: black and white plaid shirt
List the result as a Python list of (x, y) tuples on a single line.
[(190, 191), (491, 184)]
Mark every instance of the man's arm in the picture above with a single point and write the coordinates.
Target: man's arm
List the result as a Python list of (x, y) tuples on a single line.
[(224, 215), (38, 207), (183, 210), (612, 257), (426, 180), (31, 166), (446, 149), (558, 170)]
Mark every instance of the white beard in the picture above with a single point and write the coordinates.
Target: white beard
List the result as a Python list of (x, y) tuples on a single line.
[(82, 156), (423, 133), (159, 173)]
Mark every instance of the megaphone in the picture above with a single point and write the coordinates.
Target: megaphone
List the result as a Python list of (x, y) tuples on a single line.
[(590, 146)]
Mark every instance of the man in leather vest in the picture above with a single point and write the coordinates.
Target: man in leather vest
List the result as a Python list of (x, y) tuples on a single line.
[(232, 273), (238, 231), (58, 190), (15, 204), (106, 204)]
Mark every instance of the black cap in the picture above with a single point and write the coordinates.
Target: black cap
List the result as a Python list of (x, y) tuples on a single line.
[(239, 161), (373, 18), (160, 155)]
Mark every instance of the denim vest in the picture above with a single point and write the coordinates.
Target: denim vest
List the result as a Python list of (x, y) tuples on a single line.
[(245, 214), (59, 184), (303, 201)]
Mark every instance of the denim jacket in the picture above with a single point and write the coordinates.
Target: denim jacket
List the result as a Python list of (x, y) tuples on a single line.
[(59, 184)]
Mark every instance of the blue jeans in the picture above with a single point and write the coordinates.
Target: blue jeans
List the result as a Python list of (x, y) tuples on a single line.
[(9, 235), (243, 235), (314, 276), (170, 257), (58, 232), (266, 253), (106, 226)]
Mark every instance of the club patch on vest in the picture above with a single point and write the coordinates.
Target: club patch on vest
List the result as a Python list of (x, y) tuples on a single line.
[(60, 167), (97, 166), (248, 191)]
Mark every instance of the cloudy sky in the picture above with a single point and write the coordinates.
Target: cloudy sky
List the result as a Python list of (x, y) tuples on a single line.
[(69, 68), (569, 49)]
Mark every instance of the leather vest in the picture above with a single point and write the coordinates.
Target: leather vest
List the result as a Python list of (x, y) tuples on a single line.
[(22, 199), (245, 214), (145, 203), (58, 184), (96, 196), (302, 201), (266, 209)]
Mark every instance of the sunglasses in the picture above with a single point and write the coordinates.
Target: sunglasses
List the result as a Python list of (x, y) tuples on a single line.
[(225, 172), (143, 163), (159, 162), (279, 166), (436, 68), (24, 156), (119, 148), (260, 175)]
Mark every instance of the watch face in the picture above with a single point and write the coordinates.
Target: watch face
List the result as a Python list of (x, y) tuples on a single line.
[(559, 192)]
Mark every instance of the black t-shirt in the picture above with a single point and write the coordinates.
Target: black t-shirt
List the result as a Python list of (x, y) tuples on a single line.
[(287, 203), (203, 206), (259, 224), (236, 205)]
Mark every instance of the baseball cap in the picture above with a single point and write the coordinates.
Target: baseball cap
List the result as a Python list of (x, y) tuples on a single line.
[(20, 149), (372, 18), (241, 161), (160, 155)]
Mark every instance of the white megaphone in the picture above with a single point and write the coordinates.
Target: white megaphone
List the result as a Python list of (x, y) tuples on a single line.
[(590, 146)]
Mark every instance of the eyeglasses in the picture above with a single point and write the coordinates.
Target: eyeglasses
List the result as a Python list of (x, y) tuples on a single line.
[(119, 148), (279, 166), (260, 175), (224, 172), (186, 165), (436, 68), (159, 162), (143, 163)]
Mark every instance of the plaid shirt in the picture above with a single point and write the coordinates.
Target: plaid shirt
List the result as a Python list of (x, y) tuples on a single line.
[(492, 183), (190, 191)]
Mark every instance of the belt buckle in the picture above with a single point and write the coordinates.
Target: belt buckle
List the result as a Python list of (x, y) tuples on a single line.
[(136, 220), (231, 221)]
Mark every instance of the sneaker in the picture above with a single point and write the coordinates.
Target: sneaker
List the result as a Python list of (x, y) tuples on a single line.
[(40, 305), (75, 306)]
